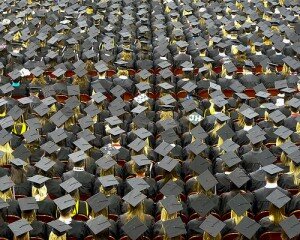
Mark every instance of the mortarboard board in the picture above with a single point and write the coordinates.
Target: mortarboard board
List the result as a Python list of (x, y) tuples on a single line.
[(195, 118), (21, 152), (108, 181), (197, 146), (98, 202), (134, 197), (199, 164), (106, 162), (77, 156), (239, 204), (283, 132), (20, 227), (167, 99), (247, 227), (230, 158), (278, 198), (6, 88), (229, 146), (33, 123), (262, 94), (82, 144), (3, 204), (163, 148), (6, 122), (59, 226), (58, 135), (31, 135), (238, 177), (64, 202), (289, 147), (5, 136), (221, 117), (272, 169), (174, 227), (212, 225), (5, 183), (141, 160), (70, 185), (134, 228), (85, 122), (18, 162), (171, 204), (137, 145), (291, 226), (202, 204), (116, 131), (142, 133), (45, 164), (207, 180), (38, 179), (58, 118), (168, 163), (98, 224), (138, 184), (225, 132), (295, 157), (15, 112), (169, 136), (189, 105), (28, 203), (171, 188), (265, 157)]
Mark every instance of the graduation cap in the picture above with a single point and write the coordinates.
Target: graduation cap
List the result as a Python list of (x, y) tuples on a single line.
[(212, 225), (70, 185), (77, 156), (141, 160), (98, 224), (197, 146), (295, 157), (202, 204), (58, 135), (229, 146), (238, 177), (134, 197), (6, 183), (265, 157), (5, 136), (283, 132), (168, 163), (278, 198), (59, 227), (6, 88), (18, 162), (207, 180), (134, 228), (225, 132), (291, 226), (82, 144), (272, 169), (45, 164), (28, 203), (230, 158), (106, 162), (199, 164), (171, 204), (221, 117), (163, 148), (38, 180), (289, 147), (239, 204), (138, 184), (171, 188), (64, 202), (247, 227), (142, 133), (108, 181), (20, 227), (174, 227), (15, 112)]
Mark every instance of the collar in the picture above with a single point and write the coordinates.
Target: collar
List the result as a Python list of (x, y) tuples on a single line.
[(278, 53), (258, 53), (228, 77), (271, 185), (78, 169), (247, 128)]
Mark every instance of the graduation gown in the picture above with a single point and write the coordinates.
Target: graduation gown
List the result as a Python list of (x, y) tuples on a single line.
[(47, 207)]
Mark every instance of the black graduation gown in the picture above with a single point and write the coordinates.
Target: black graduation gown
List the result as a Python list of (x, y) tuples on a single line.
[(294, 204), (23, 188), (286, 181), (5, 231), (266, 225), (257, 180), (79, 230), (150, 192), (53, 188), (226, 197), (250, 162), (213, 198), (193, 227), (47, 207), (223, 183), (39, 229)]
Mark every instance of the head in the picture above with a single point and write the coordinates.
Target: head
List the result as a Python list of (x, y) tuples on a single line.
[(53, 236), (39, 192), (137, 211), (276, 214), (271, 178), (29, 215), (18, 174), (22, 237)]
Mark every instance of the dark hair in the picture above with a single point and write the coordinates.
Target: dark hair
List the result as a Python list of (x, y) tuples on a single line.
[(18, 175)]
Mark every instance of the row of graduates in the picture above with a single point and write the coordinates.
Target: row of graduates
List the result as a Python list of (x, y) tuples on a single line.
[(195, 217)]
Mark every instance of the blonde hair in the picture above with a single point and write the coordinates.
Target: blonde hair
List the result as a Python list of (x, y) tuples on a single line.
[(81, 81), (284, 159), (7, 156), (7, 195), (298, 127), (30, 216), (22, 237), (277, 215), (53, 236), (296, 172), (206, 236), (164, 215), (39, 193), (286, 70), (112, 191), (137, 211), (236, 218), (39, 81)]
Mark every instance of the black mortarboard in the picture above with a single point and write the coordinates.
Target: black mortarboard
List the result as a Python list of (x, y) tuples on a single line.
[(20, 227), (169, 136), (45, 164), (289, 147), (59, 226), (202, 204), (6, 122), (77, 156), (70, 185), (98, 202), (108, 181), (265, 157), (50, 147), (212, 225), (230, 158), (229, 146), (278, 198), (38, 179), (197, 146), (6, 88), (168, 163), (164, 148), (134, 228), (195, 118), (15, 112), (98, 224), (295, 157), (141, 160), (272, 169), (167, 99), (134, 197), (247, 227), (171, 204), (82, 144), (199, 164), (171, 188), (238, 177), (58, 135), (3, 204), (138, 184), (5, 183), (106, 162), (142, 133), (221, 117), (239, 204), (225, 132), (28, 203), (34, 123), (98, 97), (41, 109), (5, 136), (207, 180), (283, 132), (262, 94), (18, 162), (174, 227), (291, 226), (64, 202)]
